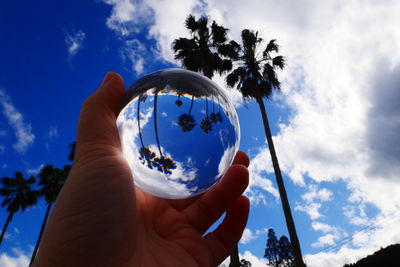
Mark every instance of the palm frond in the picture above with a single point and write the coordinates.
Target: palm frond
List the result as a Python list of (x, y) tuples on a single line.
[(272, 46), (218, 33), (183, 45), (191, 23), (6, 201), (202, 30), (230, 50), (225, 65), (231, 79), (250, 40), (279, 61), (270, 76)]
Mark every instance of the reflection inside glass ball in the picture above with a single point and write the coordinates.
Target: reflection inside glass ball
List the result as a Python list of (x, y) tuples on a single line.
[(179, 133)]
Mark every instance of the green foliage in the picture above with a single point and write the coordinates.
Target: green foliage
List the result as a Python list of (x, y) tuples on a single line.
[(279, 253)]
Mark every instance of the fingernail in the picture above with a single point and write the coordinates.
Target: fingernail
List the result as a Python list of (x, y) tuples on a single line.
[(107, 78)]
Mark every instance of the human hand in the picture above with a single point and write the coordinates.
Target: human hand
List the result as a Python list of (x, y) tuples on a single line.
[(101, 218)]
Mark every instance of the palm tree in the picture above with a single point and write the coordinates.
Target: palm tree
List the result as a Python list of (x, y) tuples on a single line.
[(51, 181), (200, 53), (215, 117), (145, 154), (18, 196), (163, 164), (255, 77), (205, 124), (186, 121)]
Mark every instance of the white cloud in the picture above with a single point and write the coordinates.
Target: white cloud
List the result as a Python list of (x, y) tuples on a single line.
[(312, 210), (19, 259), (22, 130), (325, 228), (247, 255), (247, 236), (315, 194), (74, 42), (312, 200), (134, 52), (126, 16), (259, 167), (139, 65)]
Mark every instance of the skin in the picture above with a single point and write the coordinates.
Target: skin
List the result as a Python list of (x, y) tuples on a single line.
[(101, 218)]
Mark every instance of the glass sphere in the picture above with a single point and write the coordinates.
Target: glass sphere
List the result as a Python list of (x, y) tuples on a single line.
[(179, 133)]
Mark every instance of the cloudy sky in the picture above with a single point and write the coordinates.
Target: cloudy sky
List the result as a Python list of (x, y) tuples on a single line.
[(336, 122)]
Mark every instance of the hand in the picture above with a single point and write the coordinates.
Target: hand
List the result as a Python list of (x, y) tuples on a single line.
[(101, 219)]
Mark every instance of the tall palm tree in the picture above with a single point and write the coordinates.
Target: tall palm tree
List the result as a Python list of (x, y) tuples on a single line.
[(254, 75), (50, 180), (163, 164), (18, 195), (145, 154), (200, 53)]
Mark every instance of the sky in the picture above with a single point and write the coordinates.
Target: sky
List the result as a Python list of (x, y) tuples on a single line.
[(335, 122)]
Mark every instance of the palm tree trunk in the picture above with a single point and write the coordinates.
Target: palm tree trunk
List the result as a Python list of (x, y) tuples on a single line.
[(298, 259), (235, 261), (41, 233), (9, 218), (155, 124), (138, 122), (191, 105)]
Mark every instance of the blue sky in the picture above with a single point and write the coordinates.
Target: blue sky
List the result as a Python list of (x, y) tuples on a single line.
[(334, 123)]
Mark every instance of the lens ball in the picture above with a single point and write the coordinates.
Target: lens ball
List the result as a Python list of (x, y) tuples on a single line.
[(179, 133)]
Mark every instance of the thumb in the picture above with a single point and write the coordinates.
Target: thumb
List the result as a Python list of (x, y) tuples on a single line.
[(97, 130)]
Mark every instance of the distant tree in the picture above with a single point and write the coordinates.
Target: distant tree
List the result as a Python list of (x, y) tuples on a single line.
[(285, 252), (279, 253), (17, 195), (272, 249)]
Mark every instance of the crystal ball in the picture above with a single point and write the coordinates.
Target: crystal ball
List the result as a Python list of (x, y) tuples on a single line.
[(179, 133)]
